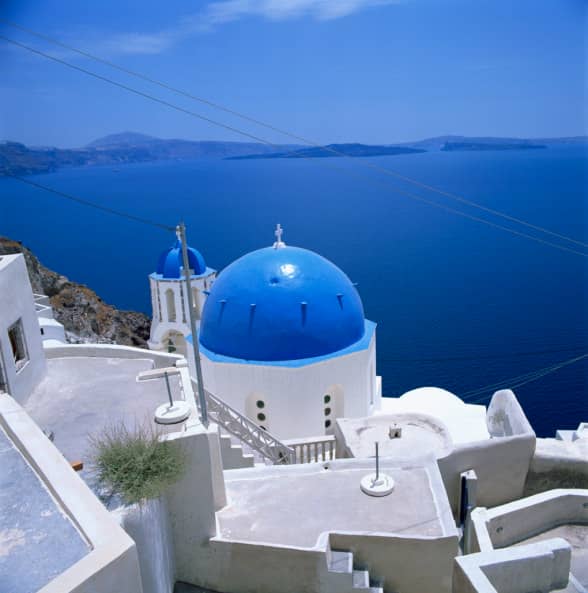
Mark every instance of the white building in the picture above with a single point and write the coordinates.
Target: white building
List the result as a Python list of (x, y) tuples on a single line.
[(170, 321), (284, 341), (22, 363)]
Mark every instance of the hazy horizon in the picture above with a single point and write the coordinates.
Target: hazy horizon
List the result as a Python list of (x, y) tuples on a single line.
[(292, 141), (368, 71)]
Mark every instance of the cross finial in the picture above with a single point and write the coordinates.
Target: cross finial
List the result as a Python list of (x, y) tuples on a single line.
[(278, 233)]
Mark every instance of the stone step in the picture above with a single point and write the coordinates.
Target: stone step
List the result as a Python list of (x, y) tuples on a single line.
[(341, 562), (361, 579), (232, 454)]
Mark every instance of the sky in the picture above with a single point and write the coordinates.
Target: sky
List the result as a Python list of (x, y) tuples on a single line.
[(373, 71)]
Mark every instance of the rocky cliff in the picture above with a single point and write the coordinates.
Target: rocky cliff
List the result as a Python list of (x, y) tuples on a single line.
[(85, 316)]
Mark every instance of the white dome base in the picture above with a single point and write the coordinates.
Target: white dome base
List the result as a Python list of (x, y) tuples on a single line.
[(380, 487), (178, 412)]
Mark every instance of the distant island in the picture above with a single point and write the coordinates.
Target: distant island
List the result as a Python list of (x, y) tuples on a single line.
[(453, 146), (132, 147), (333, 150)]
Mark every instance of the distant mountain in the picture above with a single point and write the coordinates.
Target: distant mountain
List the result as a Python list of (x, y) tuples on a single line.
[(121, 139), (132, 147), (333, 150), (118, 149)]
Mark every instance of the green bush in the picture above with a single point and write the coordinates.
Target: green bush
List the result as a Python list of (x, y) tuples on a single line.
[(136, 464)]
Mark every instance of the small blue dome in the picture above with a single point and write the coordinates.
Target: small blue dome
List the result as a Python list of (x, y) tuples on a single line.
[(281, 304), (170, 263)]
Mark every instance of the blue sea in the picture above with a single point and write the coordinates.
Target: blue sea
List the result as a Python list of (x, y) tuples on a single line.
[(459, 304)]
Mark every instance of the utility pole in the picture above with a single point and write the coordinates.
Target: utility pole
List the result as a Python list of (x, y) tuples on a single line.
[(181, 230)]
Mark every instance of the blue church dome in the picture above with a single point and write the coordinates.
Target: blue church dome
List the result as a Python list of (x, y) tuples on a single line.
[(280, 304), (170, 262)]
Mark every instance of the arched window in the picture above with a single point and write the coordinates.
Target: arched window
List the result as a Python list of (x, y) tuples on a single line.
[(170, 300)]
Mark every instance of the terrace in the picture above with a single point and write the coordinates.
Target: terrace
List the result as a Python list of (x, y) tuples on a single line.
[(294, 506)]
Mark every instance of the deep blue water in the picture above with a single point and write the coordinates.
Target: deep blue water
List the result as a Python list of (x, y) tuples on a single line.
[(459, 305)]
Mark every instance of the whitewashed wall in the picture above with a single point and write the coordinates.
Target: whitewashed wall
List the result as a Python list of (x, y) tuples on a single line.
[(16, 302), (294, 396), (148, 525)]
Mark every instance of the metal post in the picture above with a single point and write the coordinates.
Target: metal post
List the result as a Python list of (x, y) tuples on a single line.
[(181, 228), (169, 395), (377, 461)]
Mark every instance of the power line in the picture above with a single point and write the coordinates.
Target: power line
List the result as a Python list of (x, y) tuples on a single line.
[(267, 142), (93, 204), (298, 137), (473, 395), (479, 357)]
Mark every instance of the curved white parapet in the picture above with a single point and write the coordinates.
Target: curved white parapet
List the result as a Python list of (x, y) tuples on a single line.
[(465, 422), (160, 359)]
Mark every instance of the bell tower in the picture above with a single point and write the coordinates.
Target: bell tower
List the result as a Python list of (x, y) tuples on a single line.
[(169, 302)]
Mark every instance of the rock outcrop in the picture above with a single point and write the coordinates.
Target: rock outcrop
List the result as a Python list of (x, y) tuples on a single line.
[(84, 315)]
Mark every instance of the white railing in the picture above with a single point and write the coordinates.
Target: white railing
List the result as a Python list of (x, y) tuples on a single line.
[(309, 450), (313, 449)]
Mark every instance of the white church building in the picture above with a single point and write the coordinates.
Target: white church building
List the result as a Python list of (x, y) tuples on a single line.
[(283, 337)]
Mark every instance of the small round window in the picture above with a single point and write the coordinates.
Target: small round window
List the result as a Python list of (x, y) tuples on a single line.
[(327, 398), (327, 411), (260, 403), (261, 416), (327, 423)]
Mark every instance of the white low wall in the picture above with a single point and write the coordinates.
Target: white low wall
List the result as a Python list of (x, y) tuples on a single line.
[(407, 564), (160, 359), (558, 464), (501, 463), (533, 568), (501, 466), (514, 522), (112, 563), (51, 330), (247, 567)]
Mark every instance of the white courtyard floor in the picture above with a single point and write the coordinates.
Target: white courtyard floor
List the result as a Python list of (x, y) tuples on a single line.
[(294, 508), (80, 397)]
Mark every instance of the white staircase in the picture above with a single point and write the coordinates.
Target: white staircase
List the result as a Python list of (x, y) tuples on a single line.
[(266, 447), (346, 579), (248, 433), (233, 455)]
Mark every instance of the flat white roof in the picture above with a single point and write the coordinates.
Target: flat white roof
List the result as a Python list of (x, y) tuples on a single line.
[(294, 505)]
